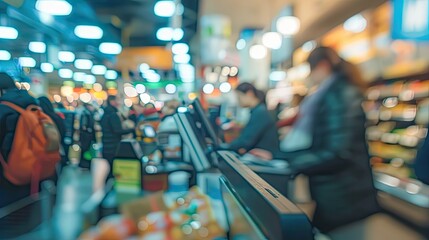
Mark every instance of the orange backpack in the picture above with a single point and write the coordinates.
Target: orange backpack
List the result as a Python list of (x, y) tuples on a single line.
[(35, 148)]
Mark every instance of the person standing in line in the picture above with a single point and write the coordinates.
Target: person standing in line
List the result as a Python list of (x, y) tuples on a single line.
[(112, 130)]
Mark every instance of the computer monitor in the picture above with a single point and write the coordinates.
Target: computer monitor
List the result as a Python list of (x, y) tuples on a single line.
[(273, 215), (196, 143), (203, 123)]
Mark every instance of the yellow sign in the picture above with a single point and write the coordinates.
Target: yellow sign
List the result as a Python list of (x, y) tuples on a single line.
[(127, 175)]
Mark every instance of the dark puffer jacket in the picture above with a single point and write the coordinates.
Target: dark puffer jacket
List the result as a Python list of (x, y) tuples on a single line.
[(112, 130), (337, 164)]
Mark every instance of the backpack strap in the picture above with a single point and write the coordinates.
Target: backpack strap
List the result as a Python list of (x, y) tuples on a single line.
[(13, 106)]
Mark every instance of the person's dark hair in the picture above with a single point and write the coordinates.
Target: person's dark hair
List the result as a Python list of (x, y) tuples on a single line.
[(6, 82), (337, 64), (46, 105), (248, 87), (110, 98)]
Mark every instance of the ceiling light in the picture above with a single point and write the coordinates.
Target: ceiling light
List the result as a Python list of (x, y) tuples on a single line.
[(144, 67), (140, 88), (168, 34), (130, 92), (241, 44), (5, 55), (98, 70), (272, 40), (27, 62), (90, 79), (84, 64), (111, 74), (88, 32), (54, 7), (182, 58), (208, 88), (153, 77), (8, 32), (145, 98), (178, 34), (165, 8), (180, 48), (288, 25), (309, 46), (277, 75), (66, 56), (170, 88), (258, 52), (110, 48), (47, 67), (37, 47), (355, 24), (79, 76), (65, 73), (225, 87)]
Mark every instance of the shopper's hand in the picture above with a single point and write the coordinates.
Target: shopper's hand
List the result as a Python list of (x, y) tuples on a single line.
[(262, 154)]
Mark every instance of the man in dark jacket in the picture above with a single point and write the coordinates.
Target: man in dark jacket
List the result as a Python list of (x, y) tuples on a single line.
[(10, 193), (87, 133), (112, 130)]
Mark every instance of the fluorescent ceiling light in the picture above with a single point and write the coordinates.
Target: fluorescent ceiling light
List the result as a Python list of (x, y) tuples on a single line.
[(180, 48), (98, 70), (66, 56), (144, 67), (111, 74), (272, 40), (8, 32), (90, 79), (5, 55), (165, 8), (65, 73), (54, 7), (27, 62), (79, 76), (37, 47), (153, 77), (277, 75), (182, 58), (83, 64), (258, 52), (88, 32), (110, 48), (47, 67), (178, 34), (208, 88), (168, 34), (288, 25), (170, 88)]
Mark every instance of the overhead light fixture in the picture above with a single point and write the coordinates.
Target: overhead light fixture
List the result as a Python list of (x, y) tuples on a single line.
[(98, 70), (54, 7), (170, 88), (241, 44), (37, 47), (8, 32), (225, 87), (288, 25), (182, 58), (180, 48), (208, 88), (355, 24), (140, 88), (88, 32), (66, 56), (27, 62), (169, 34), (79, 76), (111, 75), (65, 73), (110, 48), (272, 40), (309, 46), (277, 76), (165, 8), (47, 67), (258, 52), (5, 55), (144, 67), (152, 77), (84, 64), (90, 79)]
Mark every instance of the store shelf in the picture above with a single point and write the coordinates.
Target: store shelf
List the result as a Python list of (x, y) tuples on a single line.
[(411, 191)]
